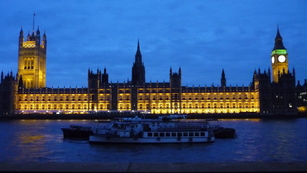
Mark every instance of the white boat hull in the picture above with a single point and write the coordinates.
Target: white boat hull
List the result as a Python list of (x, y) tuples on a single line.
[(147, 140)]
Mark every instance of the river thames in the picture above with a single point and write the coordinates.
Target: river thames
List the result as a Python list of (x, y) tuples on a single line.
[(259, 140)]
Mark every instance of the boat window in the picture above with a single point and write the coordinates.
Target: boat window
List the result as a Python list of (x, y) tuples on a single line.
[(191, 134), (173, 134), (196, 134), (149, 134), (167, 134), (202, 133), (179, 134), (155, 134), (162, 134), (185, 134)]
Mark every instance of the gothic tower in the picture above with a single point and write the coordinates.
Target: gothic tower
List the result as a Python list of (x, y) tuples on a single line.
[(223, 79), (176, 89), (279, 57), (32, 59), (138, 69)]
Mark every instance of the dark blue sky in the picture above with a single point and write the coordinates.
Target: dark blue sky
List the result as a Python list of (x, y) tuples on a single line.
[(202, 37)]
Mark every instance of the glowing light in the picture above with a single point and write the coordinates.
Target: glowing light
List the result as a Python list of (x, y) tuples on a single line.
[(279, 52)]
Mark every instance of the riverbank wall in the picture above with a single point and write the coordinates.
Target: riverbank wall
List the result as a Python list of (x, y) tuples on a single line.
[(147, 116), (155, 167)]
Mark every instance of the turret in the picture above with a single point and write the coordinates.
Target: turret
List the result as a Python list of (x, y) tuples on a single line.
[(1, 76), (104, 77), (138, 68), (223, 79), (20, 37), (175, 79), (44, 41), (37, 37)]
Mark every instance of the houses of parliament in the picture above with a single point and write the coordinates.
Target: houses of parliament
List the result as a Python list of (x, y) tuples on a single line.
[(272, 91)]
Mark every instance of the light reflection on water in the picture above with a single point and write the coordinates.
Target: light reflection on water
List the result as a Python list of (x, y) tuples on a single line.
[(258, 140)]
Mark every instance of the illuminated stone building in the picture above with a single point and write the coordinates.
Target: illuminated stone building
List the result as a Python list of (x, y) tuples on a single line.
[(29, 94), (32, 60)]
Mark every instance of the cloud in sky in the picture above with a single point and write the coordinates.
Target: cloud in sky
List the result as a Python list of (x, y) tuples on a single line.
[(202, 37)]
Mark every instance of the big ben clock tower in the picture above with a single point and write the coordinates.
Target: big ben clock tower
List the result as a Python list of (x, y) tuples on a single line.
[(279, 58)]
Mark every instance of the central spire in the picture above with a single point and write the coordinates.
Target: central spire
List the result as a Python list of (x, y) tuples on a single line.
[(138, 68), (138, 55)]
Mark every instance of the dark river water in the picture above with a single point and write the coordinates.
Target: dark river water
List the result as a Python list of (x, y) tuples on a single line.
[(258, 140)]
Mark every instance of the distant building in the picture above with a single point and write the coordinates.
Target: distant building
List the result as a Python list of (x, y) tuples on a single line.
[(26, 93)]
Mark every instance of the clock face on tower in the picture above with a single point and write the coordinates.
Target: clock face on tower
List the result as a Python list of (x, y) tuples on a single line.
[(281, 58), (273, 59)]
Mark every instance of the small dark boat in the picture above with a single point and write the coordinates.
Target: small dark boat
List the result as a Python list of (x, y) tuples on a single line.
[(224, 132), (77, 132)]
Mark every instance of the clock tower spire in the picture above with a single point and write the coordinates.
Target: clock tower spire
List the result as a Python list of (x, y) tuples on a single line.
[(279, 57)]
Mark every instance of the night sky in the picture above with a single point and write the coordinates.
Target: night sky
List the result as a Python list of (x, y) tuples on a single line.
[(202, 37)]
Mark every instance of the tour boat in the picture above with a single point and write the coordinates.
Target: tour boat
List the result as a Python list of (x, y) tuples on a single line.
[(77, 132), (81, 132), (175, 121), (154, 131)]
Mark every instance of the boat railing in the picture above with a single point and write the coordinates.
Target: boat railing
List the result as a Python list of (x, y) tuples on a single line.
[(185, 128)]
